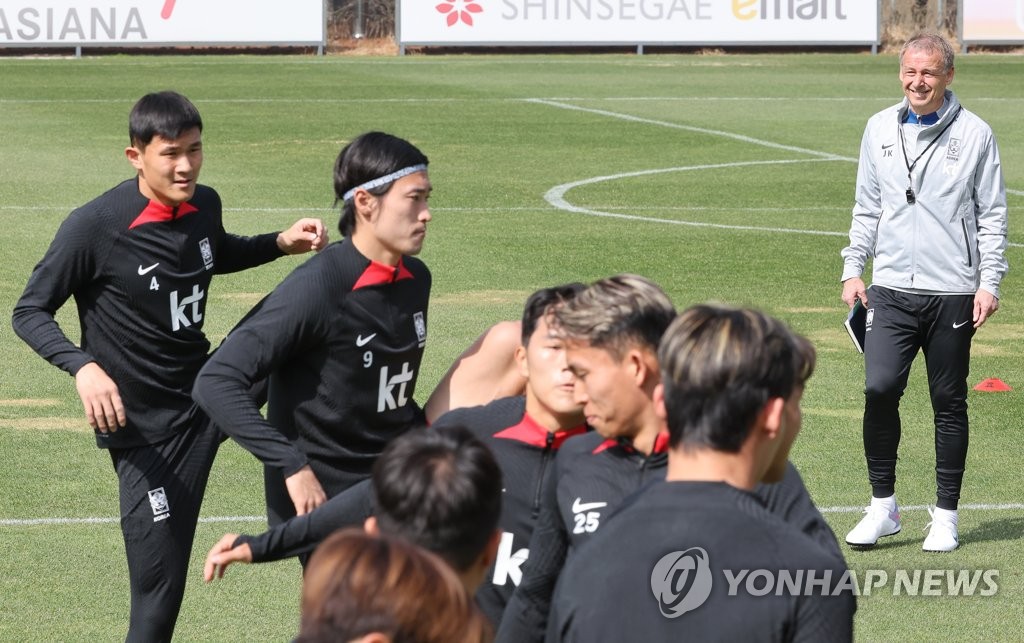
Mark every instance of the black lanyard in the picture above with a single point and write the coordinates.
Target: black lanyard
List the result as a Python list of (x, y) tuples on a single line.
[(911, 197)]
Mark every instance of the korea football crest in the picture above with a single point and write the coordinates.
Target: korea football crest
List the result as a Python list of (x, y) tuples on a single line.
[(421, 328), (207, 252), (953, 149), (158, 503)]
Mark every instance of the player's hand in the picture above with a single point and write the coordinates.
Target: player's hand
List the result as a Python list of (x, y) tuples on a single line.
[(304, 235), (100, 399), (223, 554), (305, 490), (985, 305), (853, 289)]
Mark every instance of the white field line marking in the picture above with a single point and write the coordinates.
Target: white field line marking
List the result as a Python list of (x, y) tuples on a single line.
[(30, 522), (690, 128), (970, 507), (537, 208), (605, 99), (269, 101), (555, 196)]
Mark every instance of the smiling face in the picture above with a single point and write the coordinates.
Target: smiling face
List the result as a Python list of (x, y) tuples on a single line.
[(168, 169), (924, 79), (395, 223), (550, 397)]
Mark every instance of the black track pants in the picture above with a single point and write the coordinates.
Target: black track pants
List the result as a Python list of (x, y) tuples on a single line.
[(900, 324), (161, 488)]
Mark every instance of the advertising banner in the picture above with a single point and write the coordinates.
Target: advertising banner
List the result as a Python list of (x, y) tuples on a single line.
[(131, 23), (992, 21), (581, 22)]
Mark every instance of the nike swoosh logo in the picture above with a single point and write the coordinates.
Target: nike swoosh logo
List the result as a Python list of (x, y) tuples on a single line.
[(580, 507), (363, 341), (961, 324), (143, 271), (885, 147)]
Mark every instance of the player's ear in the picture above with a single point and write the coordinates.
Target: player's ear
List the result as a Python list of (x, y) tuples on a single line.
[(364, 203), (770, 417), (658, 397), (520, 357), (134, 156)]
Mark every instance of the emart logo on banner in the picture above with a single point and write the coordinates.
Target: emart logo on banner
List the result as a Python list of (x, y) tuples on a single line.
[(459, 11), (706, 22)]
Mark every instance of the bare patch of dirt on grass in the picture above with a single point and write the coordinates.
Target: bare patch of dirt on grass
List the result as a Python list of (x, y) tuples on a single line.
[(29, 402), (46, 424), (481, 297)]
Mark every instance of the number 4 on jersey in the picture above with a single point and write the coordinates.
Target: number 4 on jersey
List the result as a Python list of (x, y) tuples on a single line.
[(154, 284)]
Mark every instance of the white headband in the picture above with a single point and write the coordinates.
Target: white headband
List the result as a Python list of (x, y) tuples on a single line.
[(384, 180)]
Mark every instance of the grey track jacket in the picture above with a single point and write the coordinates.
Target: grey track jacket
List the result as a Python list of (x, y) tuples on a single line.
[(953, 239)]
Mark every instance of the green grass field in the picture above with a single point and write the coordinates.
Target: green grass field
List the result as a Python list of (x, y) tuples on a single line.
[(721, 177)]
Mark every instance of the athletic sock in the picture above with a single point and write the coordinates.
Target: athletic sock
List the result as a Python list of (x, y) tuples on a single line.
[(889, 504)]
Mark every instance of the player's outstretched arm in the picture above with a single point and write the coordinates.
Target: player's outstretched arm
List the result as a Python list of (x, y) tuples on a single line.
[(299, 535), (223, 554), (484, 372), (304, 235)]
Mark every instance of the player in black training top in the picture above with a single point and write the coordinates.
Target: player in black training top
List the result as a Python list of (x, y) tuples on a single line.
[(138, 261), (524, 432), (612, 331), (341, 338), (732, 380)]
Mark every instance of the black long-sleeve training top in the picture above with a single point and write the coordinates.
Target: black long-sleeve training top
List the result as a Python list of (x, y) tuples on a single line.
[(701, 561), (341, 339), (139, 272), (591, 479)]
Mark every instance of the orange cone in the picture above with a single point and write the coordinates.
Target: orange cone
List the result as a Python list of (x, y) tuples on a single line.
[(993, 384)]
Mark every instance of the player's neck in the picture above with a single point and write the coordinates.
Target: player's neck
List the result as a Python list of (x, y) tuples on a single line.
[(645, 439), (708, 465), (370, 247)]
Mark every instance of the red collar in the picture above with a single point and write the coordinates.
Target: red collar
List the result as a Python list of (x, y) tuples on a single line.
[(660, 444), (528, 431), (156, 212), (378, 273)]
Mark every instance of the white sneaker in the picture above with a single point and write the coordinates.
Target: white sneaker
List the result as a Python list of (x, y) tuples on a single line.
[(877, 522), (943, 534)]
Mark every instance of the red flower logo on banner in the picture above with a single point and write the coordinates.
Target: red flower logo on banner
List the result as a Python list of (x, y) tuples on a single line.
[(455, 14)]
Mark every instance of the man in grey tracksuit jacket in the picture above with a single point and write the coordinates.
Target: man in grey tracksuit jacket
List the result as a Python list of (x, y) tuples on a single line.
[(931, 212)]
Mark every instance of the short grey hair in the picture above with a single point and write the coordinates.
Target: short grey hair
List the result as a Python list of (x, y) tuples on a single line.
[(930, 41)]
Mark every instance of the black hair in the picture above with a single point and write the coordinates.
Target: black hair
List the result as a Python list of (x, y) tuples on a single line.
[(440, 489), (166, 114), (720, 366), (369, 156), (542, 302)]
